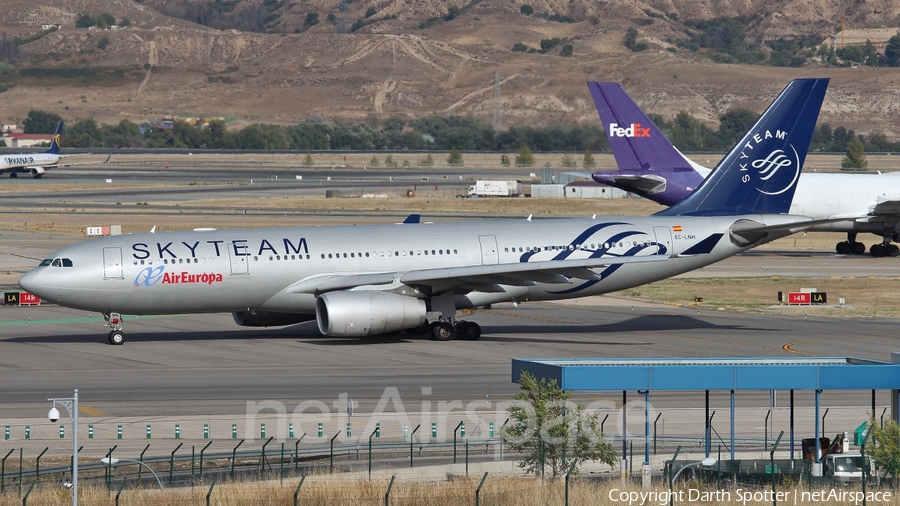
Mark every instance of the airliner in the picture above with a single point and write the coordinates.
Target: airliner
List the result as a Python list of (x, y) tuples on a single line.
[(367, 280), (35, 164), (650, 166)]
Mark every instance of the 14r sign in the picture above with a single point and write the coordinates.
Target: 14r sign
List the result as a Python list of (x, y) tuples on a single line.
[(803, 298), (29, 299)]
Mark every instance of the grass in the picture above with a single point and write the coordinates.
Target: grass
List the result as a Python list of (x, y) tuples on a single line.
[(865, 297), (321, 491)]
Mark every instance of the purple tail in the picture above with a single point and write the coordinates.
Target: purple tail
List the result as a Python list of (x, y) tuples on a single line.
[(649, 165), (634, 139)]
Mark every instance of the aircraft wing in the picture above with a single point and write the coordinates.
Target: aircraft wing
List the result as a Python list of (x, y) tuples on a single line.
[(885, 206), (518, 274), (69, 164), (649, 183)]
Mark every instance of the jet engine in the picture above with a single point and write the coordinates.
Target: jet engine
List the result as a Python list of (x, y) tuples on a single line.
[(37, 171), (366, 313), (267, 319)]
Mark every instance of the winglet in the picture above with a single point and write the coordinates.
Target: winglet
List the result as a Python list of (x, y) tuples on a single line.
[(760, 173), (412, 218), (54, 144)]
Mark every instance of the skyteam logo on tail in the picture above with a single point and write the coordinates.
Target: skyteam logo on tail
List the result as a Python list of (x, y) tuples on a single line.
[(776, 169), (635, 130)]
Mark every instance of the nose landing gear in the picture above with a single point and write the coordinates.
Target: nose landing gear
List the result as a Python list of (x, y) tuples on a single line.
[(115, 336)]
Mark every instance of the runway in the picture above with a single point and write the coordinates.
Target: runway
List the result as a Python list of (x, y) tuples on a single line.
[(206, 365)]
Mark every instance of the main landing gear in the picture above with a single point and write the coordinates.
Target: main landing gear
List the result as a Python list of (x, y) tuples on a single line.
[(116, 336), (447, 330), (885, 249)]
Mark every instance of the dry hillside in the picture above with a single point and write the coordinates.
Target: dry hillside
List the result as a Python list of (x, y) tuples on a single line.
[(162, 65)]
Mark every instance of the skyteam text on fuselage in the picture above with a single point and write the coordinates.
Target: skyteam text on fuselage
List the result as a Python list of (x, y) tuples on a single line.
[(365, 280), (653, 168), (35, 164)]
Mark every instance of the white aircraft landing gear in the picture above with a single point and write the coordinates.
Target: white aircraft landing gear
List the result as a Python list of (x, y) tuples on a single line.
[(446, 327), (116, 336), (885, 249), (13, 175), (850, 246)]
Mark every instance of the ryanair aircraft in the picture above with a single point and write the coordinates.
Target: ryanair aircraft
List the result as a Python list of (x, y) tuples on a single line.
[(35, 164), (367, 280)]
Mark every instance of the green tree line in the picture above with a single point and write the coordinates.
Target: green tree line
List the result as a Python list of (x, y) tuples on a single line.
[(437, 133)]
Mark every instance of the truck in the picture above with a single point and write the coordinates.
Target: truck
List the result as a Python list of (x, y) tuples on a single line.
[(485, 188), (848, 467)]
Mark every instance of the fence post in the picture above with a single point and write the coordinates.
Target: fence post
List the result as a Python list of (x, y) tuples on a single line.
[(569, 473), (3, 471), (411, 438), (108, 469), (387, 495), (25, 499), (297, 452), (262, 455), (467, 456), (671, 466), (331, 454), (201, 459), (121, 487), (141, 460), (370, 450), (172, 462), (37, 471), (281, 467), (654, 432), (209, 494), (478, 490), (297, 491), (193, 454), (233, 457), (454, 440)]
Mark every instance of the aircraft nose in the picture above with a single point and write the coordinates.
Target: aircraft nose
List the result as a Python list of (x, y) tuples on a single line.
[(30, 282)]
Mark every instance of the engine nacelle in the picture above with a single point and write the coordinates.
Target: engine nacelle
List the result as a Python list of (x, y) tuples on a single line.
[(267, 319), (37, 171), (366, 313)]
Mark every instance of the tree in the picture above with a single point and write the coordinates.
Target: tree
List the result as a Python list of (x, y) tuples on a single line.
[(548, 428), (856, 155), (308, 161), (734, 124), (85, 20), (312, 18), (519, 47), (524, 157), (428, 161), (105, 20), (41, 122), (886, 450), (526, 9), (568, 161), (892, 51), (103, 42), (630, 37), (374, 161), (567, 50), (588, 159), (455, 157)]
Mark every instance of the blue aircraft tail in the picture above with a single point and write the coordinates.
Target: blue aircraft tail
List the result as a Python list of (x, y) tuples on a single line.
[(54, 144), (759, 175)]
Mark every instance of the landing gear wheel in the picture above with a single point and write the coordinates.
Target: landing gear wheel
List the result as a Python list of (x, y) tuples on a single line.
[(13, 175), (442, 331), (468, 331), (877, 250), (858, 248), (893, 250), (424, 328), (116, 337), (842, 248)]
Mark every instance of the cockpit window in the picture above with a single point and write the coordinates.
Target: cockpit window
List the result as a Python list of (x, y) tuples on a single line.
[(46, 262), (56, 263), (66, 262)]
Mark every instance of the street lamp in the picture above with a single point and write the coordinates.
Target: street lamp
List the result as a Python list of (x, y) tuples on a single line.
[(707, 462), (114, 461), (71, 405)]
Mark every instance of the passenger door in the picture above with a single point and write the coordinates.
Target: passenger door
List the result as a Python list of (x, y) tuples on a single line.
[(112, 263)]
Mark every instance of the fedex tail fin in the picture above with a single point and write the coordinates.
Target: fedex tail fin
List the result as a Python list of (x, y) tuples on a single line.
[(649, 165), (759, 175), (54, 144), (635, 141)]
